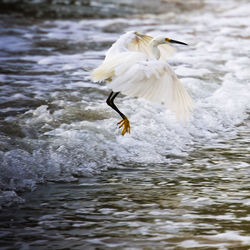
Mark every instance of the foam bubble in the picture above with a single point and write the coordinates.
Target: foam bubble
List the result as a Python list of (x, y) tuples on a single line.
[(230, 236)]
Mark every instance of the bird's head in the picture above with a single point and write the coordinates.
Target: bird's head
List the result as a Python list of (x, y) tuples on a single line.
[(164, 40)]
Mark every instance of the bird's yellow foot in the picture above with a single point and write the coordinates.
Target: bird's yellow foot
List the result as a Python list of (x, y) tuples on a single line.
[(125, 124)]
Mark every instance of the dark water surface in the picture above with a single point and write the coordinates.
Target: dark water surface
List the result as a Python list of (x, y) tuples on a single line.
[(69, 180), (164, 206)]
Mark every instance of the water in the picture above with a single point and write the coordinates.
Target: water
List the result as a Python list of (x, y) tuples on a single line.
[(69, 180)]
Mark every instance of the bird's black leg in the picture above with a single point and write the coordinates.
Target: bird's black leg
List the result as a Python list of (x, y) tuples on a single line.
[(110, 102), (124, 122)]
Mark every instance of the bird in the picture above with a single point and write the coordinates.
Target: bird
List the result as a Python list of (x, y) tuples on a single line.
[(136, 65)]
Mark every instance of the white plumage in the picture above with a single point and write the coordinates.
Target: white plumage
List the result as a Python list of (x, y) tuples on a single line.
[(136, 65)]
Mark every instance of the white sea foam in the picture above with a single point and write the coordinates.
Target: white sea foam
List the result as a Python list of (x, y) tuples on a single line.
[(230, 236), (196, 244)]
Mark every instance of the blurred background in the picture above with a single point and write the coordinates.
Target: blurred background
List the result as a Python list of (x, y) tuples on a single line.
[(69, 9), (69, 180)]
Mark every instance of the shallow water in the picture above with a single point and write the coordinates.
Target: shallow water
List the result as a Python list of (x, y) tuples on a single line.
[(195, 203), (69, 180)]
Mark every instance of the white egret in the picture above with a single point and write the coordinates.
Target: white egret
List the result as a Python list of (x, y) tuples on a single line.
[(136, 66)]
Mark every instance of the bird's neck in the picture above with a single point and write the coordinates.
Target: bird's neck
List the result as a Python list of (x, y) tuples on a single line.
[(155, 50)]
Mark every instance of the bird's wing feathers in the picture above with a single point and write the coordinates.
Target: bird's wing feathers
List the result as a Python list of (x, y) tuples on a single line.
[(130, 41), (140, 43), (137, 42), (118, 63), (155, 81)]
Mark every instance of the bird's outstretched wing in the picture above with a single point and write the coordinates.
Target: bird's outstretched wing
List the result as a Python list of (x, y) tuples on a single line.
[(153, 80)]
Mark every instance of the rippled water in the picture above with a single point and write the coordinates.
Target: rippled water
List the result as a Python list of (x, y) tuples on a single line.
[(69, 180)]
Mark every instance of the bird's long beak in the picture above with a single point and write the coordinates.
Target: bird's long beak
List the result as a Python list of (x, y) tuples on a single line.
[(174, 41)]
